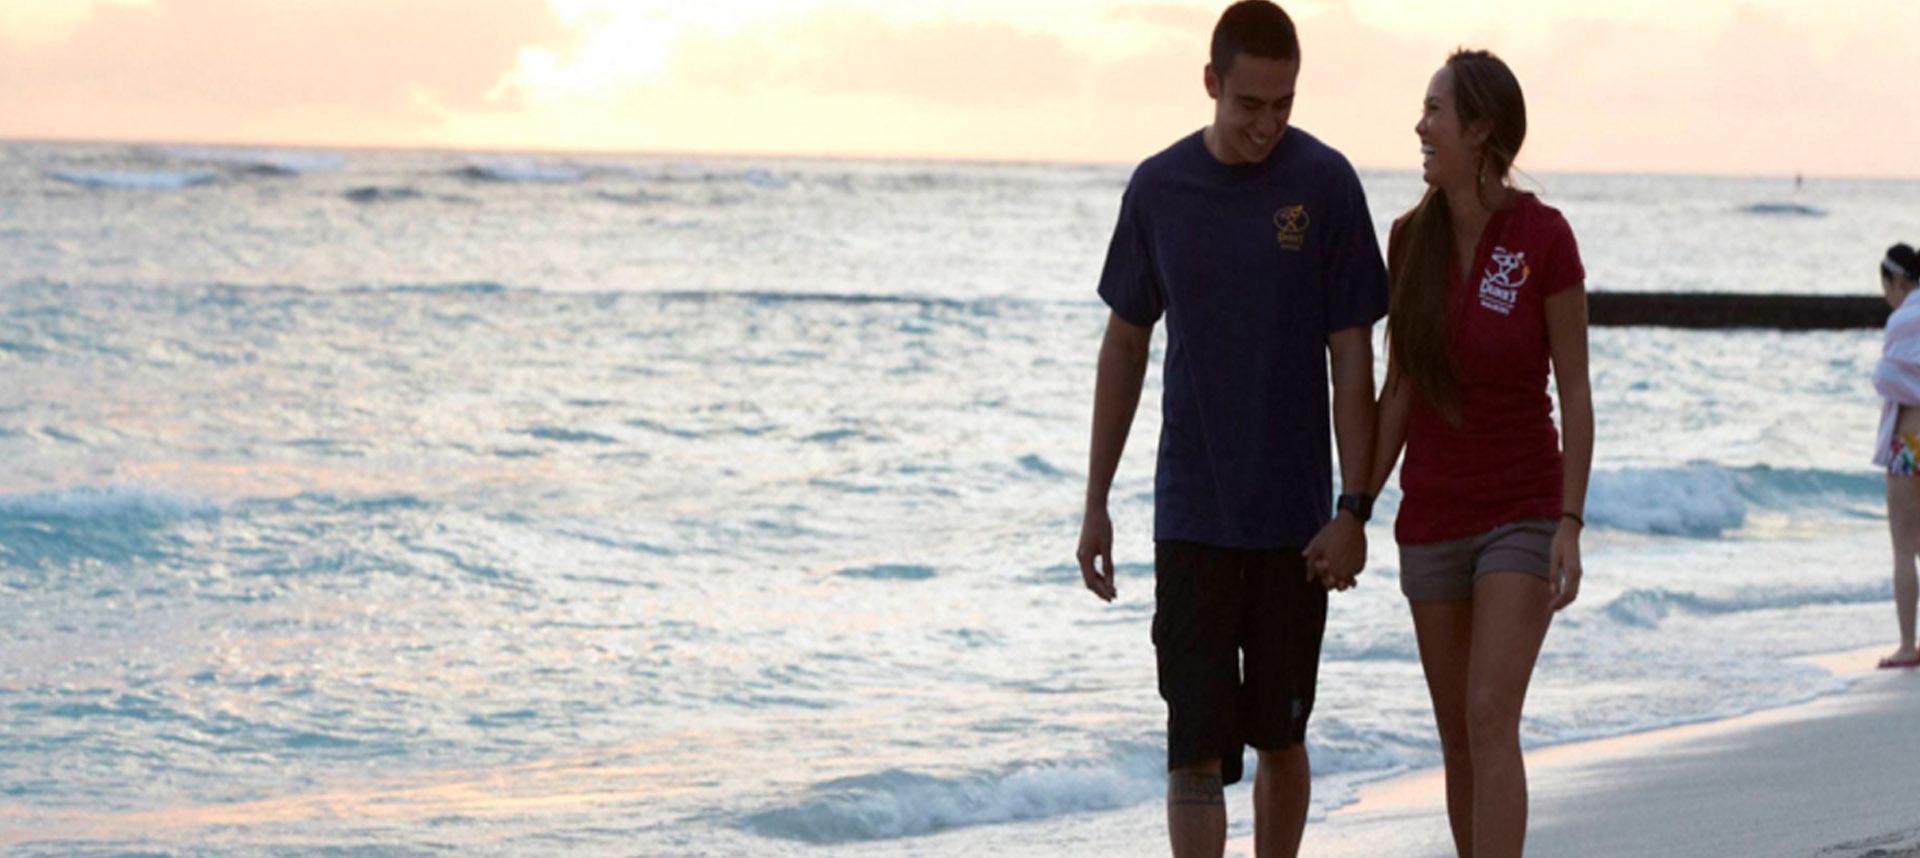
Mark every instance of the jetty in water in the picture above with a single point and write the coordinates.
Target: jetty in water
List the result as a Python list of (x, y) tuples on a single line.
[(1727, 310)]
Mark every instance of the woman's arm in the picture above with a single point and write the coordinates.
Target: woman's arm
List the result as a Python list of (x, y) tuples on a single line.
[(1567, 344), (1390, 432)]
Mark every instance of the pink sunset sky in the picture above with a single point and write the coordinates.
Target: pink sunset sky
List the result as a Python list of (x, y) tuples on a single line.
[(1706, 86)]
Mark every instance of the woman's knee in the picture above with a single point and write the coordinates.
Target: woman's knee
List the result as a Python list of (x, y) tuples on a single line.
[(1454, 736), (1493, 722), (1903, 500)]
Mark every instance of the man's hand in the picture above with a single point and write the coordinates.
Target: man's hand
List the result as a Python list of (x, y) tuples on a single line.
[(1337, 553), (1096, 543)]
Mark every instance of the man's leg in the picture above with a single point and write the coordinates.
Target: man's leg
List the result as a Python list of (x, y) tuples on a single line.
[(1281, 788), (1284, 618), (1196, 812), (1196, 599)]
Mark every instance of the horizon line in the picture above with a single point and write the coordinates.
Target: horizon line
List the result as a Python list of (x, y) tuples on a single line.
[(979, 160)]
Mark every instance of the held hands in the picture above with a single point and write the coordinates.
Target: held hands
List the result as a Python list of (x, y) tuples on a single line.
[(1337, 553), (1335, 557), (1564, 567), (1096, 542)]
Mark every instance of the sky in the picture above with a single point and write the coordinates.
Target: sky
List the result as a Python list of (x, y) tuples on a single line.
[(1766, 87)]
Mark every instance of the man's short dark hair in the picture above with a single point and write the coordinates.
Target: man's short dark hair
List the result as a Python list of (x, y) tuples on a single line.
[(1256, 28)]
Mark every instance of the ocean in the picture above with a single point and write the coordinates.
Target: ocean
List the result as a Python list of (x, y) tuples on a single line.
[(414, 503)]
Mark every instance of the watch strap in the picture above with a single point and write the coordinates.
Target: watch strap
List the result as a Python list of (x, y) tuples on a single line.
[(1360, 505)]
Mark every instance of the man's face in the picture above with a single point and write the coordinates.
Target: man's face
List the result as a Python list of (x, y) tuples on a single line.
[(1251, 104)]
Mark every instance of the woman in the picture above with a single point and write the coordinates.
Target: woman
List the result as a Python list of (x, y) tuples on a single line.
[(1897, 379), (1487, 291)]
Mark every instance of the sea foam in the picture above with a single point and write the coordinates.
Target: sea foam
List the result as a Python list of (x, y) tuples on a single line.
[(278, 162), (117, 502), (1645, 608), (896, 803), (1706, 500), (1787, 209), (114, 524), (521, 172), (157, 179)]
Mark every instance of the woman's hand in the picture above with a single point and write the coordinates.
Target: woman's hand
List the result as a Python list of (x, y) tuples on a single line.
[(1564, 567)]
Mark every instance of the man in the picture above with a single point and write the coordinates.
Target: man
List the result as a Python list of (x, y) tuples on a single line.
[(1254, 241)]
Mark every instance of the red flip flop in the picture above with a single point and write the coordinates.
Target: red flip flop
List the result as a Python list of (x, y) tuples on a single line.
[(1888, 662)]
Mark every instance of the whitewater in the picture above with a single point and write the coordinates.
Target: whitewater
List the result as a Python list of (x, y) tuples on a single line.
[(432, 503)]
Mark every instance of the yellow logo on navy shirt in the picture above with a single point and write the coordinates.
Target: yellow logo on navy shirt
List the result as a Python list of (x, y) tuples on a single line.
[(1292, 224)]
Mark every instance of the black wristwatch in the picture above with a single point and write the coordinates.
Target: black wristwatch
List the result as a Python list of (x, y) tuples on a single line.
[(1360, 505)]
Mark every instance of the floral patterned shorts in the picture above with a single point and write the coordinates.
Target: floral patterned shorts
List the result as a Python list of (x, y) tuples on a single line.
[(1905, 458)]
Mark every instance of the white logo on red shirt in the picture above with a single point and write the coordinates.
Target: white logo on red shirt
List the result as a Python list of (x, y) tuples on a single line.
[(1500, 285)]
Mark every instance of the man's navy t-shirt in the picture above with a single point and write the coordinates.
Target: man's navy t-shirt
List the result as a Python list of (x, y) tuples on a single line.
[(1253, 265)]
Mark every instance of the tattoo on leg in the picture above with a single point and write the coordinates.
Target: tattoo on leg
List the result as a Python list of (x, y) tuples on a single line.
[(1186, 789)]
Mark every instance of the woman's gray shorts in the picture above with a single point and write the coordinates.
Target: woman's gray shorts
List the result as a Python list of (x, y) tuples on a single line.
[(1445, 571)]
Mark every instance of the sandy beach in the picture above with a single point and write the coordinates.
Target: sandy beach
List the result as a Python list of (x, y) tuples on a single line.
[(1838, 777)]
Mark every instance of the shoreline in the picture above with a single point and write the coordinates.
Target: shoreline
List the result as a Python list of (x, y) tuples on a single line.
[(1789, 781)]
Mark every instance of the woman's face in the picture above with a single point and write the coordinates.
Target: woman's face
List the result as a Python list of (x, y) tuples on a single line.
[(1449, 151), (1895, 288)]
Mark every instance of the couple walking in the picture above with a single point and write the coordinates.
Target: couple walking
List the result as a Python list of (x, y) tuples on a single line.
[(1253, 241)]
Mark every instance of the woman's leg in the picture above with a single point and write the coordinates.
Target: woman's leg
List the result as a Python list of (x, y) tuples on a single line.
[(1903, 522), (1511, 611), (1445, 633)]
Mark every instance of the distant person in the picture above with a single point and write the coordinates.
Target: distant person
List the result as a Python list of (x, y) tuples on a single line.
[(1253, 240), (1488, 294), (1897, 378)]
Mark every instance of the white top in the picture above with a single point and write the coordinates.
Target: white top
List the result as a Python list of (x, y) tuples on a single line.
[(1897, 376)]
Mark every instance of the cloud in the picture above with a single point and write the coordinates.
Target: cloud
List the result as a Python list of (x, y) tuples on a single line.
[(840, 51), (1728, 85), (1764, 92), (1748, 89), (32, 23), (242, 59), (1181, 20)]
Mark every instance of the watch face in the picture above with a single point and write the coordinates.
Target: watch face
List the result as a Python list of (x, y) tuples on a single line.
[(1360, 505)]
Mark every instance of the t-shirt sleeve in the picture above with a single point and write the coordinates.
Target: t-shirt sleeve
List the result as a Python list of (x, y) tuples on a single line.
[(1355, 278), (1128, 283), (1564, 269)]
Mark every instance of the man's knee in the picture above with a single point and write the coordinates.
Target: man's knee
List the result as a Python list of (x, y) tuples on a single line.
[(1281, 758), (1196, 785)]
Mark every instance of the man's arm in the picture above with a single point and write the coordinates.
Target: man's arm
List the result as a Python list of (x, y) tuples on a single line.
[(1339, 552), (1116, 395), (1353, 404)]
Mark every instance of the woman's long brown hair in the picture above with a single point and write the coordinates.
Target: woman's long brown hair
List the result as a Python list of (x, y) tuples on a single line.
[(1484, 90)]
